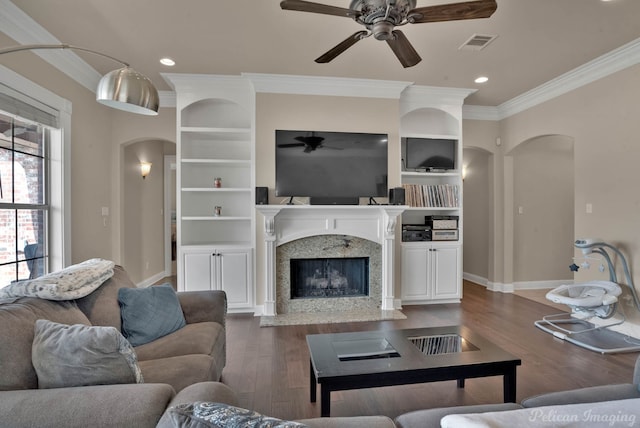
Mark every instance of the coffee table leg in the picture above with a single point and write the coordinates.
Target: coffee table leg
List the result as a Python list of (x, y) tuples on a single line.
[(312, 383), (325, 401), (509, 385)]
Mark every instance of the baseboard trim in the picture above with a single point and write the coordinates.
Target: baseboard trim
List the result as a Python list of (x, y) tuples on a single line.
[(151, 280)]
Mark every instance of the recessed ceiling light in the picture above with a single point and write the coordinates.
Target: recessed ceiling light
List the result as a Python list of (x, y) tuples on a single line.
[(168, 62), (481, 79)]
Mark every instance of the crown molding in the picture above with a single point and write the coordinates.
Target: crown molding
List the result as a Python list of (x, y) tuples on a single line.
[(334, 86), (471, 112), (24, 30), (167, 99), (618, 59)]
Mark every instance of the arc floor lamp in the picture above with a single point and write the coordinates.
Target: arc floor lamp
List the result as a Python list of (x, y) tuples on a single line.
[(122, 89)]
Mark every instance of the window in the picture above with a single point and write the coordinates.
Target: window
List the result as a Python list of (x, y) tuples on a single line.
[(23, 199), (34, 179)]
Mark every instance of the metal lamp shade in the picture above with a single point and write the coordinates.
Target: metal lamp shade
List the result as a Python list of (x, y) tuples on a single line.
[(126, 89)]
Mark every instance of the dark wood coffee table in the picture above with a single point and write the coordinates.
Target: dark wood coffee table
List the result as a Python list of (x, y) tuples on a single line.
[(369, 359)]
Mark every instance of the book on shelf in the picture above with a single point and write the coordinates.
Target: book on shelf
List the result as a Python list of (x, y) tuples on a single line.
[(432, 195)]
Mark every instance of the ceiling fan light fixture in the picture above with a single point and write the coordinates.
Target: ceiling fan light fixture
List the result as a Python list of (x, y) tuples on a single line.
[(382, 30), (126, 89)]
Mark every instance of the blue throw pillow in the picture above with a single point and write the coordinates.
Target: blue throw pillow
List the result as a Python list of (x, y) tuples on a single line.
[(149, 313)]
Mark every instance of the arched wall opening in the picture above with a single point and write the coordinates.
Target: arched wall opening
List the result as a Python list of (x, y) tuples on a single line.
[(142, 224), (477, 213), (542, 181)]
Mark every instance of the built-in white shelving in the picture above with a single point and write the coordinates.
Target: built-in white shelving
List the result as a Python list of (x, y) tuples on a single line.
[(216, 182)]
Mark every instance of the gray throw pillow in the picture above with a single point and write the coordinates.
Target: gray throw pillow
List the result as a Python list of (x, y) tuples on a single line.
[(219, 415), (78, 355), (149, 313)]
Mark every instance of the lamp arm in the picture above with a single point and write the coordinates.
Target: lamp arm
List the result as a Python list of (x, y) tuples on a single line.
[(61, 46)]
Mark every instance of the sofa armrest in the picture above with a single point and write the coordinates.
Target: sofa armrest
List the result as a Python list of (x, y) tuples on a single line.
[(590, 394), (130, 405), (204, 306)]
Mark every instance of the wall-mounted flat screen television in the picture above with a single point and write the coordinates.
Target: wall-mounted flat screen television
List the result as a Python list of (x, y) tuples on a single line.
[(331, 164), (428, 154)]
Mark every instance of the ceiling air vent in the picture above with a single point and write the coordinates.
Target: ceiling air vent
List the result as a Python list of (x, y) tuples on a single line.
[(477, 42)]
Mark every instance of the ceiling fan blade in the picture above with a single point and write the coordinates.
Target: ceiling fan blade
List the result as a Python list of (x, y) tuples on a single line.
[(307, 6), (292, 145), (403, 49), (341, 47), (453, 11)]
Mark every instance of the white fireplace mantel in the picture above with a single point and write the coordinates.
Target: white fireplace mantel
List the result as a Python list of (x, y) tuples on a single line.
[(285, 223)]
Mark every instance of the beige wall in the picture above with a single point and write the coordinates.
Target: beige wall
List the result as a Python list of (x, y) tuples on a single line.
[(602, 119), (482, 135), (543, 209), (143, 220), (98, 135), (91, 130), (476, 209), (321, 113)]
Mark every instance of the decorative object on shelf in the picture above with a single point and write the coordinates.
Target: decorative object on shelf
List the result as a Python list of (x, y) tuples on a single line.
[(145, 169), (122, 89), (217, 183), (217, 211)]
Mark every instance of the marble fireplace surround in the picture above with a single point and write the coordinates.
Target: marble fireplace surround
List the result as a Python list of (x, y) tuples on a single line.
[(286, 223)]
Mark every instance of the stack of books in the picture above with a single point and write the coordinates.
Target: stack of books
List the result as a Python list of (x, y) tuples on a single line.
[(432, 195)]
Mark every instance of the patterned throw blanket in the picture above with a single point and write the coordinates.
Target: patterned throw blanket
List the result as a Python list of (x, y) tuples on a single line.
[(69, 283)]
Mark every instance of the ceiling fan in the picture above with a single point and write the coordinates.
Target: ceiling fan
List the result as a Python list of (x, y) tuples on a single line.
[(310, 143), (380, 17)]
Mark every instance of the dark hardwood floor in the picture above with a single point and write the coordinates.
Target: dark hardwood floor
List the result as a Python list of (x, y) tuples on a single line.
[(268, 367)]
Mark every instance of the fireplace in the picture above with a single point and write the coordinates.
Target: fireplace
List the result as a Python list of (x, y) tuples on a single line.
[(291, 231), (339, 260), (329, 277)]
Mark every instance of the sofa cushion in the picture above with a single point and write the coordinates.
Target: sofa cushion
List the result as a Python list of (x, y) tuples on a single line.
[(18, 319), (430, 418), (181, 371), (219, 415), (136, 405), (101, 306), (618, 413), (584, 395), (206, 338), (69, 283), (78, 355), (149, 313)]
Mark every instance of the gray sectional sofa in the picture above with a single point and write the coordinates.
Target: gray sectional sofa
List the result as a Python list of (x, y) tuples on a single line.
[(179, 367), (182, 369)]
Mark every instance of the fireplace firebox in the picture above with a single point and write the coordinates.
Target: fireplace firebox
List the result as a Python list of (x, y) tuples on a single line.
[(329, 277)]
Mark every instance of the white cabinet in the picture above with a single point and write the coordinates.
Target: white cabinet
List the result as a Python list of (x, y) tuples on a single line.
[(230, 270), (431, 272)]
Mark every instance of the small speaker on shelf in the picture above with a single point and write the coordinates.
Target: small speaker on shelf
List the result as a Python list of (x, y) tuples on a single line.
[(262, 195), (396, 196)]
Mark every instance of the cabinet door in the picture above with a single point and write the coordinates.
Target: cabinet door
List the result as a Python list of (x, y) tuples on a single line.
[(198, 271), (235, 276), (445, 264), (415, 273)]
